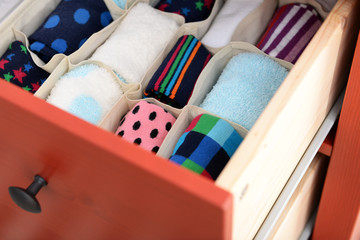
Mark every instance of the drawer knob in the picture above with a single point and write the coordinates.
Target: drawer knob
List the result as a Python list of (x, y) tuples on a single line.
[(25, 198)]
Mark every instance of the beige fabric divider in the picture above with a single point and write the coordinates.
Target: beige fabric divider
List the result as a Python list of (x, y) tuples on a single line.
[(188, 113), (32, 13), (183, 30), (28, 18), (115, 10), (200, 28), (66, 66), (217, 63), (112, 120), (99, 38), (253, 26), (153, 2)]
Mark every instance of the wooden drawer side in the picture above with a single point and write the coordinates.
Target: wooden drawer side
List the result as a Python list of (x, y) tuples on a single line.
[(261, 166)]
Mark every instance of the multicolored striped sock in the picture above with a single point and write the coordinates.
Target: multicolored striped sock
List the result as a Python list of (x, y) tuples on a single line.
[(206, 146), (175, 79), (290, 30)]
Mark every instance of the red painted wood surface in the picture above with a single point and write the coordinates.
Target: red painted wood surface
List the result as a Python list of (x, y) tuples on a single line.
[(99, 186), (339, 210), (327, 146)]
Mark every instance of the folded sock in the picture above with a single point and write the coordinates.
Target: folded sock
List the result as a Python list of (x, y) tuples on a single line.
[(147, 125), (290, 30), (175, 79), (17, 67), (206, 145), (87, 91), (244, 88), (226, 21), (137, 42), (192, 11), (68, 27)]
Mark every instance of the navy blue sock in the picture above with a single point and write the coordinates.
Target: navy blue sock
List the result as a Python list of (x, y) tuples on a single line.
[(68, 27), (17, 67), (192, 11)]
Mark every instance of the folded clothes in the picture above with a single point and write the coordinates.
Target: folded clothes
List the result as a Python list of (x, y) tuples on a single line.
[(147, 125), (244, 88), (68, 27), (192, 11), (224, 25), (137, 42), (175, 79), (88, 91), (206, 145), (17, 67), (290, 30)]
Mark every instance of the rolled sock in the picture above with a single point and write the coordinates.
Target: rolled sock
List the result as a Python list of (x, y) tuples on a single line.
[(206, 145), (192, 11), (137, 42), (175, 79), (17, 67), (147, 125), (226, 21), (120, 3), (68, 27), (87, 91), (289, 32), (244, 88)]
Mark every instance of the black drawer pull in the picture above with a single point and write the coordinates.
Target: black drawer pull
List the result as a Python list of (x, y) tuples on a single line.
[(25, 198)]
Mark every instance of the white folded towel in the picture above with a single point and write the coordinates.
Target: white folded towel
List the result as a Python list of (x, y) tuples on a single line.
[(137, 42)]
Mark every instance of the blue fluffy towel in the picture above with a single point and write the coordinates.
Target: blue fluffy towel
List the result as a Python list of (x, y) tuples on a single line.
[(244, 88)]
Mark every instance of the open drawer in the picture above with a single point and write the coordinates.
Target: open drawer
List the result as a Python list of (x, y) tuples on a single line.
[(102, 187)]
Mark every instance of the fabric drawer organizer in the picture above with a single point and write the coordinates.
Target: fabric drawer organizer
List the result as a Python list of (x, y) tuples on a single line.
[(271, 147)]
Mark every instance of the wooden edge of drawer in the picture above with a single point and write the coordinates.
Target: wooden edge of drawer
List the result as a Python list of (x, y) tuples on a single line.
[(18, 105), (262, 164)]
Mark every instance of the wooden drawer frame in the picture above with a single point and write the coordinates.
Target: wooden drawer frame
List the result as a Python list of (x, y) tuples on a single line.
[(155, 199)]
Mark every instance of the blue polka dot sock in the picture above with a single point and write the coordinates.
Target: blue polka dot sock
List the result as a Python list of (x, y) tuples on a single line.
[(192, 11), (17, 67), (68, 27)]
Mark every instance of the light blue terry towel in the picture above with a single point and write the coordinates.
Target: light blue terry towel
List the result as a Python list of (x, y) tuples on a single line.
[(244, 88)]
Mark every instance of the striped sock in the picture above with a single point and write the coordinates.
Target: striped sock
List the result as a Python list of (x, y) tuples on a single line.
[(175, 79), (290, 30)]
